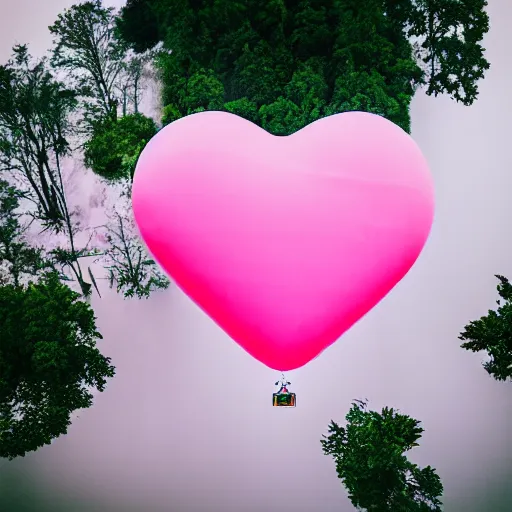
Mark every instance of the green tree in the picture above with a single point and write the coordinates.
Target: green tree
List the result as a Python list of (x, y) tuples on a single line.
[(33, 124), (370, 461), (195, 93), (130, 269), (133, 79), (493, 334), (112, 153), (86, 47), (243, 107), (299, 61), (115, 146), (142, 22), (18, 259), (49, 363), (34, 130), (110, 80), (450, 34), (367, 91)]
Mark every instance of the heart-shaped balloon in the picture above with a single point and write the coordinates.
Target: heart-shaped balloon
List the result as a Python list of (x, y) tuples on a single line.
[(285, 242)]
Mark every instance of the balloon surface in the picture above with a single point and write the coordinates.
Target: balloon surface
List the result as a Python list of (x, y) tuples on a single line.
[(285, 242)]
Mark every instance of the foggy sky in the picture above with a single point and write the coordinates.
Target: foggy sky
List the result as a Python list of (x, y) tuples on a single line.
[(186, 425)]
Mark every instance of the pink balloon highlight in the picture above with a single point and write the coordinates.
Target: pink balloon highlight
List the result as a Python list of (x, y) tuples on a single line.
[(285, 242)]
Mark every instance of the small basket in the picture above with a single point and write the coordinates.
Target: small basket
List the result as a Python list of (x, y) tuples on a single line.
[(283, 398)]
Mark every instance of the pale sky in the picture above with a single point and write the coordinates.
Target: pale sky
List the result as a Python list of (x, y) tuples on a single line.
[(173, 432)]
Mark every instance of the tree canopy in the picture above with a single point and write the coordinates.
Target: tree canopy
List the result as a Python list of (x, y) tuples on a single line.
[(85, 45), (48, 363), (115, 146), (34, 109), (369, 457), (108, 81), (35, 128), (285, 63), (493, 334)]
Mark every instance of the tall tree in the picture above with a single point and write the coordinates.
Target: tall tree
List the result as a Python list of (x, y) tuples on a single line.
[(33, 109), (136, 72), (34, 130), (49, 363), (86, 47), (493, 334), (130, 269), (370, 461), (110, 79), (450, 34), (114, 149), (112, 153)]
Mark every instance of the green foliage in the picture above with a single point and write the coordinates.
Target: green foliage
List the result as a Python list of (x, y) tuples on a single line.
[(34, 109), (48, 363), (20, 259), (109, 81), (115, 146), (244, 108), (368, 92), (170, 113), (281, 117), (201, 91), (141, 22), (131, 270), (260, 73), (493, 334), (86, 47), (311, 58), (34, 129), (273, 63), (369, 457), (451, 33)]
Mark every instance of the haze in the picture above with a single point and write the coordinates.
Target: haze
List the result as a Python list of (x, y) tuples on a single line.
[(186, 425)]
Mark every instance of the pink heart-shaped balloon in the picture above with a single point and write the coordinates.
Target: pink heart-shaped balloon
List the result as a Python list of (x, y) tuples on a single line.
[(285, 242)]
